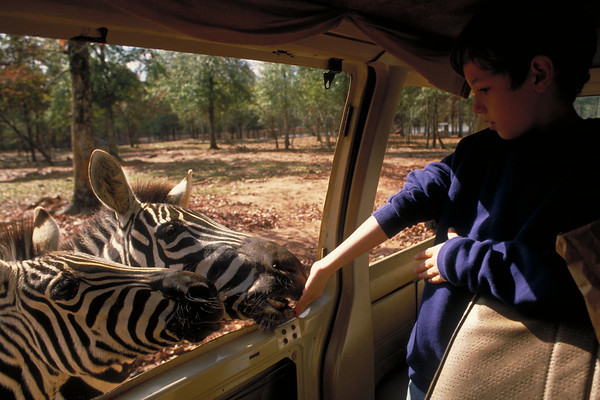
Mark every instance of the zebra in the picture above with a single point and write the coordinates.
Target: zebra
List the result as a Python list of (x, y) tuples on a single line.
[(256, 278), (29, 237), (37, 287), (68, 314)]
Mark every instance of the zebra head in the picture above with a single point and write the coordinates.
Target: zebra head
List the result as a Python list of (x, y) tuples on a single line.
[(69, 315), (256, 278)]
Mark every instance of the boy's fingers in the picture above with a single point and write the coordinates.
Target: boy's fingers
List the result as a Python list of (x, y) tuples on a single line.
[(429, 272), (300, 306), (420, 255), (437, 279), (423, 255), (420, 267), (452, 233)]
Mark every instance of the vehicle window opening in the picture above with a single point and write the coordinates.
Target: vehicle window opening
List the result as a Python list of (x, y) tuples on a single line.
[(276, 140), (588, 106), (427, 126)]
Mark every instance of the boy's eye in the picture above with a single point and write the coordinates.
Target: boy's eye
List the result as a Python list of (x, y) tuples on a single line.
[(483, 90)]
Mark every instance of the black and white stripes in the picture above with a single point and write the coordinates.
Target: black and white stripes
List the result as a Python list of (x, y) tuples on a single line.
[(256, 278), (69, 315)]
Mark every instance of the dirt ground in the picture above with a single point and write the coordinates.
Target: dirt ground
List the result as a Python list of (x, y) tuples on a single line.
[(252, 187)]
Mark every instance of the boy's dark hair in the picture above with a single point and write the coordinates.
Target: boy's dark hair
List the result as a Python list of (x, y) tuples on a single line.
[(504, 38)]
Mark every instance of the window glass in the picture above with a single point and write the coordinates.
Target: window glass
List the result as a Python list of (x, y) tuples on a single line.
[(588, 106)]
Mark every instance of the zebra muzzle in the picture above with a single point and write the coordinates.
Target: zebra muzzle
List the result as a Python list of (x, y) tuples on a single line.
[(278, 305), (198, 311)]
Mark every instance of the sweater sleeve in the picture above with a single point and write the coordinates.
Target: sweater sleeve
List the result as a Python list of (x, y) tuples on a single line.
[(419, 200), (512, 272)]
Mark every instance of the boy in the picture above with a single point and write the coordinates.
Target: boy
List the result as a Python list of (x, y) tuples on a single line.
[(505, 193)]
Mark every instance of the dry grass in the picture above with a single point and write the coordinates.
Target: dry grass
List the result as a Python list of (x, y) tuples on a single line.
[(250, 187)]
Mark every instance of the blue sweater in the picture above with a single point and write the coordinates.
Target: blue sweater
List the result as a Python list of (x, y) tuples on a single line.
[(507, 201)]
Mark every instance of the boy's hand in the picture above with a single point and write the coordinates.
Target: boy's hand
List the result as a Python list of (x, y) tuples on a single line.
[(428, 269), (314, 287)]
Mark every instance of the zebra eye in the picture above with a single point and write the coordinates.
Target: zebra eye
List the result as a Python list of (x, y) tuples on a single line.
[(64, 289), (169, 231)]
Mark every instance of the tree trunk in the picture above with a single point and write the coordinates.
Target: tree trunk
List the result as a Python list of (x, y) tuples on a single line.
[(460, 119), (274, 132), (82, 140), (286, 127), (26, 142), (211, 113), (211, 123), (29, 135), (110, 131)]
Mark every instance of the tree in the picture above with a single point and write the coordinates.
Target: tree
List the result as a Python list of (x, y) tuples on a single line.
[(21, 103), (322, 108), (277, 84), (161, 121), (113, 82), (407, 111), (23, 88), (210, 85), (82, 140), (425, 110)]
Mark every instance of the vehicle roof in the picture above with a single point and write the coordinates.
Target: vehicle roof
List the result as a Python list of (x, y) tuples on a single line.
[(416, 33)]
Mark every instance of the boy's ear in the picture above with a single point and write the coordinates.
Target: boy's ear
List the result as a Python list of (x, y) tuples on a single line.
[(542, 72)]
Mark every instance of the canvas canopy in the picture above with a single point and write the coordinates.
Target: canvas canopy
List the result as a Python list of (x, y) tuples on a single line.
[(417, 32)]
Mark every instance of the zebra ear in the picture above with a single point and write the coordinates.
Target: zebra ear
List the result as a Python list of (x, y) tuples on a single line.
[(46, 233), (110, 185), (180, 194)]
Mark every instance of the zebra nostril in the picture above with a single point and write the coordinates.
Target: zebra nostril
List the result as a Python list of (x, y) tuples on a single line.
[(186, 285), (200, 292), (203, 298)]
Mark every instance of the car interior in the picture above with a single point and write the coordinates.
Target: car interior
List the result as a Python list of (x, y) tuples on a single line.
[(350, 343)]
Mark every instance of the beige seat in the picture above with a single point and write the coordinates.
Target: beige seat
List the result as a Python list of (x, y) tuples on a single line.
[(498, 353)]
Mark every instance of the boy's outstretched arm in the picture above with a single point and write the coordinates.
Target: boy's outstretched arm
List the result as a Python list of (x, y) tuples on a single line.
[(363, 239)]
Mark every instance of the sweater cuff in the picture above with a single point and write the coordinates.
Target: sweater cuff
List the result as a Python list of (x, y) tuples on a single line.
[(388, 220), (447, 259)]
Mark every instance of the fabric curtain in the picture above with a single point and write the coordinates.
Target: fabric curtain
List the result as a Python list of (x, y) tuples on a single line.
[(400, 27)]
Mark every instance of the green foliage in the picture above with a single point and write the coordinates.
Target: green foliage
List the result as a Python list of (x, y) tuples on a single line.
[(164, 95), (322, 107), (30, 70), (206, 89), (424, 110), (294, 98), (112, 80)]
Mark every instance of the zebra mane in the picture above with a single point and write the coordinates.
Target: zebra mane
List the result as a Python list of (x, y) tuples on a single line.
[(157, 191), (15, 239), (153, 191)]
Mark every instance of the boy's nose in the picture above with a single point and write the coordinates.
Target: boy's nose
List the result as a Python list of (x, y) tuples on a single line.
[(478, 107)]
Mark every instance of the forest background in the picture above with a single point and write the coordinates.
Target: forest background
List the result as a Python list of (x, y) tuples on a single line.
[(143, 95)]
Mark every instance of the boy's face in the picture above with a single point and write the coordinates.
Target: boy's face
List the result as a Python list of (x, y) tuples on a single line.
[(509, 112)]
